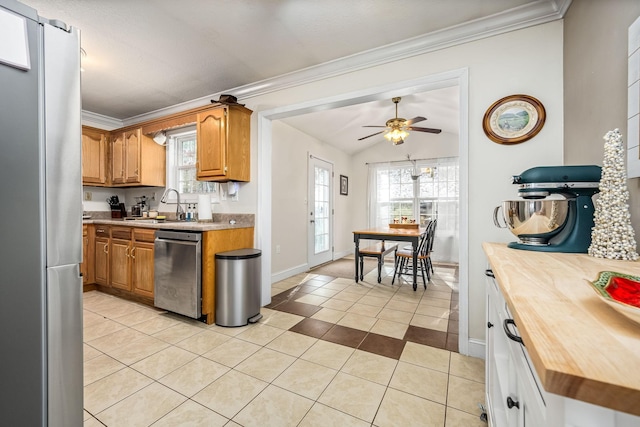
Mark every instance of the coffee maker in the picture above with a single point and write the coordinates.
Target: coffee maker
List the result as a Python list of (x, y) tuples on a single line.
[(555, 212), (140, 206)]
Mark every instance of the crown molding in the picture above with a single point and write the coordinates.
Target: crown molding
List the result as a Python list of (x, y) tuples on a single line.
[(528, 15), (99, 121)]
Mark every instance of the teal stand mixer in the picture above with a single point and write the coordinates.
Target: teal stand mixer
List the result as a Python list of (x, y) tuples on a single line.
[(555, 212)]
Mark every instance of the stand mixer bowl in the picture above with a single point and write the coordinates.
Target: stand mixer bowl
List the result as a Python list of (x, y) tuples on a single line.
[(534, 222)]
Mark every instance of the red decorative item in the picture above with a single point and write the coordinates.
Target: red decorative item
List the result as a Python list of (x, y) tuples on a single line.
[(624, 290), (620, 291)]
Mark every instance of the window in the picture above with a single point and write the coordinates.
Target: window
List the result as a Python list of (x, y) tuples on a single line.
[(434, 193), (181, 166)]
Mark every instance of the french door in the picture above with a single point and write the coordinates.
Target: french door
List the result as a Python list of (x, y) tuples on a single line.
[(320, 208)]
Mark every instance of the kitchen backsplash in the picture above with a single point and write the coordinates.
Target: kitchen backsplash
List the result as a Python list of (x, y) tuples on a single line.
[(95, 199)]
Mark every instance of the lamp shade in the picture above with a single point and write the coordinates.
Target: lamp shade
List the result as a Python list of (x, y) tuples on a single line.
[(160, 138)]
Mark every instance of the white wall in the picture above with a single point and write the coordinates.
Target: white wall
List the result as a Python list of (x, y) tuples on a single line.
[(289, 225), (527, 61)]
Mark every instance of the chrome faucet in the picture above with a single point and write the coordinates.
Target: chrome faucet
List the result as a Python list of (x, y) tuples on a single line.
[(180, 214)]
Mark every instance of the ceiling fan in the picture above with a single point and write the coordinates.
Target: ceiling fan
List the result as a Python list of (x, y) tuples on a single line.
[(397, 127)]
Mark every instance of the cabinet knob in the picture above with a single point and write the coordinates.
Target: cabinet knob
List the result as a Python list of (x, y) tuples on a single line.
[(511, 403), (489, 325), (489, 272)]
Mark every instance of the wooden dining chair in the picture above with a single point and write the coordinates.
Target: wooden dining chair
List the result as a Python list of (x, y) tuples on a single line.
[(378, 251), (404, 257)]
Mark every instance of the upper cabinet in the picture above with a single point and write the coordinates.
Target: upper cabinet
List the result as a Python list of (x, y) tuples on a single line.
[(136, 159), (224, 144), (94, 156), (129, 157)]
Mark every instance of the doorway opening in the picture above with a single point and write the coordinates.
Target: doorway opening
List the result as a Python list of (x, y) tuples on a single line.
[(458, 78)]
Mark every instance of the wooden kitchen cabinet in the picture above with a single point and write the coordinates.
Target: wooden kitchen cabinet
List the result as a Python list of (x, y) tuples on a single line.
[(214, 242), (94, 156), (223, 144), (142, 253), (117, 158), (101, 255), (88, 257), (120, 258), (136, 159)]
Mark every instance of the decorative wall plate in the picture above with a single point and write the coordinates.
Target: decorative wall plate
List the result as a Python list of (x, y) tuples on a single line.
[(620, 291), (514, 119)]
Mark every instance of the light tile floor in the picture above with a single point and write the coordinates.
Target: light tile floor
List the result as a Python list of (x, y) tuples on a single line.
[(147, 367)]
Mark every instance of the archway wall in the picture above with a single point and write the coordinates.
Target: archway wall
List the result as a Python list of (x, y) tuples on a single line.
[(527, 61)]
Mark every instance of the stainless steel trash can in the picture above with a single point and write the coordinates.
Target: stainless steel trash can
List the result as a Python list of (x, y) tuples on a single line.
[(238, 287)]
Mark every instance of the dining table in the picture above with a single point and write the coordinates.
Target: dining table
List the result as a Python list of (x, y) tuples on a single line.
[(411, 235)]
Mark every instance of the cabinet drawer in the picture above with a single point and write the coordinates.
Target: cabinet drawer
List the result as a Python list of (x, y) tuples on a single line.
[(103, 231), (144, 235), (121, 233)]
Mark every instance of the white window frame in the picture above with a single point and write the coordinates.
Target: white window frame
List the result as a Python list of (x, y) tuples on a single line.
[(172, 168), (445, 200)]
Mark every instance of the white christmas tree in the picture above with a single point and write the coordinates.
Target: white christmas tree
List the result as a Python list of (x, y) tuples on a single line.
[(613, 237)]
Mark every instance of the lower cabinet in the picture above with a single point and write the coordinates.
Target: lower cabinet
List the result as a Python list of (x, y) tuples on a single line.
[(513, 392), (142, 278), (214, 242), (88, 257), (101, 255), (515, 396), (120, 258), (123, 260)]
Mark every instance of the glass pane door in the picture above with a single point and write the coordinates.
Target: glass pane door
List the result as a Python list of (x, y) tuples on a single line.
[(320, 212)]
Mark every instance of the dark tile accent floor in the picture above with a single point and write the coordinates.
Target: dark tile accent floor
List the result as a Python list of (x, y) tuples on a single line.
[(355, 338), (382, 345), (346, 336), (312, 327)]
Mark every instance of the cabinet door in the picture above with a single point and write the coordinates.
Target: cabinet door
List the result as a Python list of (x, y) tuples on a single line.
[(212, 143), (132, 156), (120, 265), (117, 159), (101, 270), (85, 258), (94, 156), (142, 269)]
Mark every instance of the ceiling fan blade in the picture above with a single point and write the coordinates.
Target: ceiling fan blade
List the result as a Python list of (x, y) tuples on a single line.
[(429, 130), (374, 126), (415, 120), (369, 136)]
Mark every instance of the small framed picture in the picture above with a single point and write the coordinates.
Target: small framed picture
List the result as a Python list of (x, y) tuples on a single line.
[(514, 119), (344, 185)]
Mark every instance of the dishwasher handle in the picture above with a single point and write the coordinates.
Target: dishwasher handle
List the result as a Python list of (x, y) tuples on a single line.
[(179, 235), (178, 242)]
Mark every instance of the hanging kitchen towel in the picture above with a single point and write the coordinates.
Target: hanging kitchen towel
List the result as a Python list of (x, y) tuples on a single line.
[(204, 207)]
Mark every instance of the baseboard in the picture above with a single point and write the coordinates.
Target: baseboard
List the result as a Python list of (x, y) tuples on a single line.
[(476, 348), (285, 274), (338, 255)]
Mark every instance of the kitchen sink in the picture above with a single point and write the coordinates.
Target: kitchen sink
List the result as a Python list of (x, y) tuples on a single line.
[(153, 220)]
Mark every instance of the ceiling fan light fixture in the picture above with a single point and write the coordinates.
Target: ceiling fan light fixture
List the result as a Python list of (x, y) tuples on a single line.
[(397, 136)]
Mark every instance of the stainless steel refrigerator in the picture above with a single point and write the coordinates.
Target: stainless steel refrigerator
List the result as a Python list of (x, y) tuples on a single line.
[(40, 220)]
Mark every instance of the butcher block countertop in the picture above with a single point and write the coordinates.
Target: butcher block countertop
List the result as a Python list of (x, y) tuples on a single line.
[(580, 347)]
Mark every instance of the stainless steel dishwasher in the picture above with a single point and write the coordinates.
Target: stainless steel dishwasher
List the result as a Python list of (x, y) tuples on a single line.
[(178, 272)]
